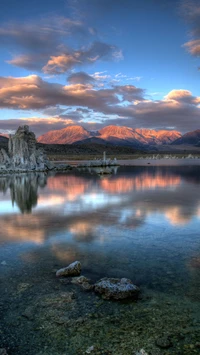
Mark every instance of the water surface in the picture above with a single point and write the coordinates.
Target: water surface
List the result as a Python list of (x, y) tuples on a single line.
[(141, 222)]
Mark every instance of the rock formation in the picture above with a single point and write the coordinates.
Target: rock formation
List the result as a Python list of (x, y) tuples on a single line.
[(73, 269), (23, 153), (116, 289)]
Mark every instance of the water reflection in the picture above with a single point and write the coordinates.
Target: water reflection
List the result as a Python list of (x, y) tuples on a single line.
[(23, 189), (79, 204)]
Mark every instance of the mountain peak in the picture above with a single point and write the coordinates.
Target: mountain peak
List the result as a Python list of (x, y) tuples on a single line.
[(67, 135)]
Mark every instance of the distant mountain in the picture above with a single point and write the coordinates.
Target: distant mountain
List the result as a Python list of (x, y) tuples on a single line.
[(66, 135), (119, 135), (113, 134), (153, 137), (192, 138), (138, 136)]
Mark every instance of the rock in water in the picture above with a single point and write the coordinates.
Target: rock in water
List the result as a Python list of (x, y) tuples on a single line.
[(117, 289), (73, 269)]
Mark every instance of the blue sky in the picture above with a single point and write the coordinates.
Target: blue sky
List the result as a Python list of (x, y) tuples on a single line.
[(99, 62)]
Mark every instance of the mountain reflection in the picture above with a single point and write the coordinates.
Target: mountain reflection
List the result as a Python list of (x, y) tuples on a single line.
[(78, 205), (142, 182)]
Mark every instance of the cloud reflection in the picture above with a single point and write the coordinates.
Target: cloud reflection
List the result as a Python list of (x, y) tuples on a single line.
[(77, 205)]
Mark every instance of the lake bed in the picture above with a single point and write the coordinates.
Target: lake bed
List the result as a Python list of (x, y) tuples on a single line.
[(141, 223)]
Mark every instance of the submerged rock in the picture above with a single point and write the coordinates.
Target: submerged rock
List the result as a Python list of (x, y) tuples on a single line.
[(73, 269), (111, 288), (80, 280), (163, 342), (83, 282), (90, 349)]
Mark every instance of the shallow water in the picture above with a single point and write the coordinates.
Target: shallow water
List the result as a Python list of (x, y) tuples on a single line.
[(141, 223)]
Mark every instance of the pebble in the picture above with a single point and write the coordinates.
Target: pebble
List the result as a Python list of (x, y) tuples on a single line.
[(90, 349), (141, 352)]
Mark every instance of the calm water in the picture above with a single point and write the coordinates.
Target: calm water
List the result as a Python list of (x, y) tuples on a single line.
[(142, 223)]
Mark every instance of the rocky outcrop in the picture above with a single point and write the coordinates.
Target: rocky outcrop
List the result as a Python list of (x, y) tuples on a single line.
[(117, 289), (23, 154)]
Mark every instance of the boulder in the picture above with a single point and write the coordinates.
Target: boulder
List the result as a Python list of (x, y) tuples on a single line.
[(73, 269), (118, 289)]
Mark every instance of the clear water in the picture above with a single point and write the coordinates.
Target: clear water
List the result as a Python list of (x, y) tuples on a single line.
[(142, 223)]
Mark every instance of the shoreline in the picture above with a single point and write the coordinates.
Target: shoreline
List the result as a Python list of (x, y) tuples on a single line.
[(140, 162)]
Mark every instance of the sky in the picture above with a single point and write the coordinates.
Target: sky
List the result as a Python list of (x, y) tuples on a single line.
[(95, 63)]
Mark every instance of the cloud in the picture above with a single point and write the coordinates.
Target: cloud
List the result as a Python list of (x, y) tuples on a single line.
[(184, 96), (44, 34), (191, 12), (100, 75), (29, 61), (118, 104), (32, 92), (136, 78), (120, 76), (64, 62), (45, 45), (193, 47), (81, 78)]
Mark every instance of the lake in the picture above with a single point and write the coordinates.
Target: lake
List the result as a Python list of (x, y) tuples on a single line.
[(142, 223)]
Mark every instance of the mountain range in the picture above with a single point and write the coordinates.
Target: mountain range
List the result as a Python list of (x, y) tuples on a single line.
[(119, 136), (116, 135)]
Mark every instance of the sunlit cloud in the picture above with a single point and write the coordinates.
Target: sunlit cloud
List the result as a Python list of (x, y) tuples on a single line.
[(123, 104), (182, 96), (62, 63), (193, 47)]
